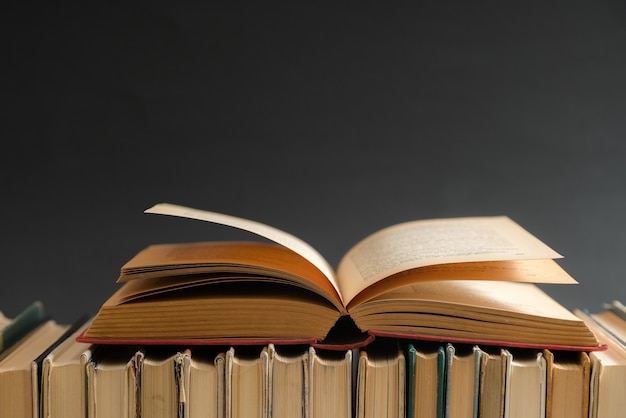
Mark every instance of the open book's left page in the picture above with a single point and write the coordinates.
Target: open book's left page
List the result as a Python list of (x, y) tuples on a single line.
[(165, 267), (274, 234)]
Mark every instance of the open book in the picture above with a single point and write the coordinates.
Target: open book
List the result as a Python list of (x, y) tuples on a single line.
[(459, 279)]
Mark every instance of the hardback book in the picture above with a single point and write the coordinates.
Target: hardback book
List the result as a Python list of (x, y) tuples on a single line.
[(567, 390), (288, 379), (4, 320), (12, 329), (492, 383), (206, 383), (20, 370), (618, 308), (247, 382), (525, 393), (113, 382), (455, 280), (608, 374), (381, 383), (613, 320), (163, 383), (425, 380), (462, 381), (64, 379), (331, 374)]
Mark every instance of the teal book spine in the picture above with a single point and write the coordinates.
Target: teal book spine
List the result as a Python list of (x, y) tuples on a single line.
[(23, 323), (442, 381)]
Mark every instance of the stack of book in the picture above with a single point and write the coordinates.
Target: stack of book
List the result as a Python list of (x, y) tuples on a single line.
[(435, 318)]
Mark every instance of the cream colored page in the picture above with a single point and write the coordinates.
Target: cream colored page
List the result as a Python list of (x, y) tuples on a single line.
[(274, 234), (520, 298), (439, 241)]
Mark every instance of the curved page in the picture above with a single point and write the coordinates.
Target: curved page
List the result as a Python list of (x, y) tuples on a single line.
[(274, 234)]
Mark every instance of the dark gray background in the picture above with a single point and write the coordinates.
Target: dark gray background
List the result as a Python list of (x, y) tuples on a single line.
[(328, 122)]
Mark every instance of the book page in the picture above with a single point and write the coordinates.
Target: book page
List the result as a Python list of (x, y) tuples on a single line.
[(522, 271), (514, 300), (422, 243), (289, 241)]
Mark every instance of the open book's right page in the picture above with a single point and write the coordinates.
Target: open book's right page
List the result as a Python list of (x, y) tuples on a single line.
[(443, 245)]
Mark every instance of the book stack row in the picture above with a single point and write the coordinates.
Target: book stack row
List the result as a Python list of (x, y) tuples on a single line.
[(45, 371), (429, 318)]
